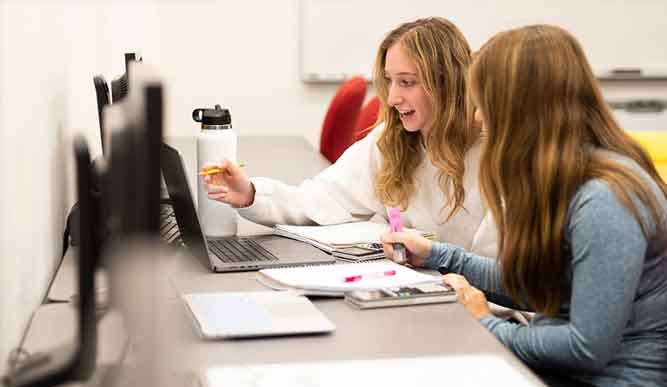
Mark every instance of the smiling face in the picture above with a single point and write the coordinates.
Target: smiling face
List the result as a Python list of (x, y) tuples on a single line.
[(406, 93)]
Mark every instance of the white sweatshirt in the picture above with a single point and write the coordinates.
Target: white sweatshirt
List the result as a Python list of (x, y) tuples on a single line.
[(344, 192)]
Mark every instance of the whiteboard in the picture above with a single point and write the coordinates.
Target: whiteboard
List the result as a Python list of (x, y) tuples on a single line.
[(339, 38)]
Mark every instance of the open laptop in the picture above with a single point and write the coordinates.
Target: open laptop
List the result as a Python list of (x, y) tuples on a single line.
[(253, 314), (229, 253)]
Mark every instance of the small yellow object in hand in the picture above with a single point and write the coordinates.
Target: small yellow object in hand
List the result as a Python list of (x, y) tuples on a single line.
[(213, 171)]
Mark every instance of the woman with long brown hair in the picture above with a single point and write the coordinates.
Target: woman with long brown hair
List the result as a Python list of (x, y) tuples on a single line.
[(422, 156), (581, 217)]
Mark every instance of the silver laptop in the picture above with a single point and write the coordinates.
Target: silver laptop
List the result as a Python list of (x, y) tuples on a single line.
[(254, 314), (230, 253)]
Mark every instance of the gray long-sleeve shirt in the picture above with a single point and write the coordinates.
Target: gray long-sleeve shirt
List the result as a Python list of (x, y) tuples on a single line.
[(612, 330)]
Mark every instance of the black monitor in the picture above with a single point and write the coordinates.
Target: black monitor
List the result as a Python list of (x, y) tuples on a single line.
[(103, 99), (133, 185), (132, 190), (119, 90), (120, 86), (73, 361), (88, 254)]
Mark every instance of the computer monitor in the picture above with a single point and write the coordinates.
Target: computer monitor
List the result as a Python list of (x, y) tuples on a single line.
[(120, 85), (103, 99), (88, 254), (135, 137), (132, 190), (72, 361), (120, 89)]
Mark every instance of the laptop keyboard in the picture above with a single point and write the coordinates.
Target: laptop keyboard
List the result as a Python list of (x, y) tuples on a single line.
[(169, 232), (239, 250)]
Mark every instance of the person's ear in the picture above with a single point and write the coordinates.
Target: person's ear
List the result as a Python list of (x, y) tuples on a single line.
[(478, 119)]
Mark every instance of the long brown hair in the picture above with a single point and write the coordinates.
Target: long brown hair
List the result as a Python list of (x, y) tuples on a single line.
[(548, 128), (442, 56)]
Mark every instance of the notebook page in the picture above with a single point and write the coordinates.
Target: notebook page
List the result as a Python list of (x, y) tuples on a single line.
[(366, 275), (341, 234)]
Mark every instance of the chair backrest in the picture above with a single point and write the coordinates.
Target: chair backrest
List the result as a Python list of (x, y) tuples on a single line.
[(339, 122), (367, 118)]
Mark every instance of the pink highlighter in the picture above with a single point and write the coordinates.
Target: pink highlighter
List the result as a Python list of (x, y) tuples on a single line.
[(395, 225)]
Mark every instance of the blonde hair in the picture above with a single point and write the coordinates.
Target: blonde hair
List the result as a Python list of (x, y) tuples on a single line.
[(442, 56), (548, 127)]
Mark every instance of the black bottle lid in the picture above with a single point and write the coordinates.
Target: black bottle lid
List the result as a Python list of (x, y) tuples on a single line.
[(217, 116)]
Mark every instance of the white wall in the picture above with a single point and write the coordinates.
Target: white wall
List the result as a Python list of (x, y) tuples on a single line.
[(4, 261), (33, 117), (49, 52), (242, 54), (478, 20)]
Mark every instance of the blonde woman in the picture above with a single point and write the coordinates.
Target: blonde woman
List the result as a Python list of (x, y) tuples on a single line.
[(581, 215), (422, 157)]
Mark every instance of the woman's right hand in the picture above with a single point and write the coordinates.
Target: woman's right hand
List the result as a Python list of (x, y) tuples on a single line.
[(418, 248), (230, 186)]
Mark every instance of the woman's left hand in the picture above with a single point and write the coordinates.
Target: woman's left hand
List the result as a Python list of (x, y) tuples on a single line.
[(470, 297)]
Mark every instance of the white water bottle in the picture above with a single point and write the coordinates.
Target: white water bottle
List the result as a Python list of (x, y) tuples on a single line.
[(216, 141)]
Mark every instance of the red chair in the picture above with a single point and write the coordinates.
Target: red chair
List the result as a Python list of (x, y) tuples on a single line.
[(339, 123), (367, 118)]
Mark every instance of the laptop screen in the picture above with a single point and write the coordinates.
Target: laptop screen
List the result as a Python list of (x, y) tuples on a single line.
[(176, 181)]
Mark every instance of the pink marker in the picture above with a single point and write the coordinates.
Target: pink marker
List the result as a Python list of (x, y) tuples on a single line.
[(359, 277), (395, 220), (396, 226)]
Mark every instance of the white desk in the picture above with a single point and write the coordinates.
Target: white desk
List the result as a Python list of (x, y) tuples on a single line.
[(55, 324), (417, 331)]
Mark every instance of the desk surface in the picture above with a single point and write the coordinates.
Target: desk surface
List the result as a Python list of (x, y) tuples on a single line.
[(415, 331)]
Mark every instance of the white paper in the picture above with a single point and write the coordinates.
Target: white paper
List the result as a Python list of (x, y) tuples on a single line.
[(373, 275), (460, 371), (343, 234)]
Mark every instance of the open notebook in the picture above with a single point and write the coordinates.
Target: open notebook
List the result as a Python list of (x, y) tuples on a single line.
[(336, 280), (352, 241)]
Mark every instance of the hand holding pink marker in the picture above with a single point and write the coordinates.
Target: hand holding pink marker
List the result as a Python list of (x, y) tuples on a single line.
[(395, 225)]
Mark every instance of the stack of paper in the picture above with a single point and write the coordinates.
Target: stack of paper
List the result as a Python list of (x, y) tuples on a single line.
[(337, 279), (335, 239)]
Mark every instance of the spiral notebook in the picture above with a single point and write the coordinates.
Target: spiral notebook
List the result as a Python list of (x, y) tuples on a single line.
[(339, 236), (337, 279)]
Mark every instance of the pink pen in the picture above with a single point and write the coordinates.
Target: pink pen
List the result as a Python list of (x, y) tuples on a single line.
[(359, 277), (395, 225)]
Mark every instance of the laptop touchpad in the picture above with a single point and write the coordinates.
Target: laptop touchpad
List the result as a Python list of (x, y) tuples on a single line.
[(286, 248)]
